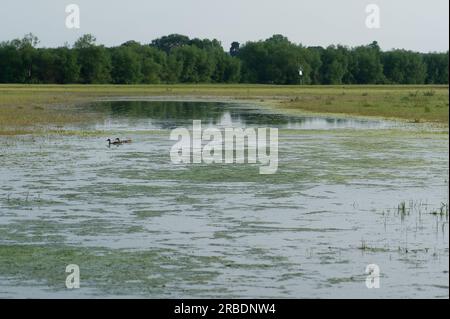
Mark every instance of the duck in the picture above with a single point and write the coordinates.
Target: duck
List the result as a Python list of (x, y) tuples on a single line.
[(118, 141), (127, 141), (111, 143)]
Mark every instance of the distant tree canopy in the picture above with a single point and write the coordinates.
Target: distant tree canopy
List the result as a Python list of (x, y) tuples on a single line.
[(178, 59)]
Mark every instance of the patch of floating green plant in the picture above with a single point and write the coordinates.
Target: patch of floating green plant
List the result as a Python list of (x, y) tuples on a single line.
[(117, 272)]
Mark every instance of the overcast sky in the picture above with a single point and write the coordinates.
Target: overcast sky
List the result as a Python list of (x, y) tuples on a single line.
[(420, 25)]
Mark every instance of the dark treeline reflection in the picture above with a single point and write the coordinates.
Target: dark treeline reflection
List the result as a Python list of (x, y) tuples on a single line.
[(168, 114), (162, 110)]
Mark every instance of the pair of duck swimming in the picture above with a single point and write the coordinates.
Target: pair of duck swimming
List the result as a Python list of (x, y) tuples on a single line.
[(117, 141)]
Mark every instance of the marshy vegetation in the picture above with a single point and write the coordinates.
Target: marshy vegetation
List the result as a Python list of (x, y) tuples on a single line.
[(339, 201), (32, 108)]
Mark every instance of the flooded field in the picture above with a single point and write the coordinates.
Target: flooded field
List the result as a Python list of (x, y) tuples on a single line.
[(347, 193)]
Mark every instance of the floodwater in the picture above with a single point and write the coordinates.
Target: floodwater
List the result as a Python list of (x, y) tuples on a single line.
[(347, 193)]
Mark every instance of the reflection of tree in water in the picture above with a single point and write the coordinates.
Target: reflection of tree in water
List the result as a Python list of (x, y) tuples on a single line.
[(173, 111), (162, 110), (263, 119), (170, 114)]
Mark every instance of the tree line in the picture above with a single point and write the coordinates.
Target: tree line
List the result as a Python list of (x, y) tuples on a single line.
[(178, 59)]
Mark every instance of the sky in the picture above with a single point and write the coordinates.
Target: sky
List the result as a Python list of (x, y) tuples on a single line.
[(419, 25)]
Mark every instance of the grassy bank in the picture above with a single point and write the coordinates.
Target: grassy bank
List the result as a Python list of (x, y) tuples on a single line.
[(25, 107)]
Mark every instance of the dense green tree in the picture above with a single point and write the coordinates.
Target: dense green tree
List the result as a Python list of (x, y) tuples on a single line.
[(11, 66), (226, 68), (282, 64), (232, 70), (178, 59), (153, 64), (28, 54), (205, 43), (437, 67), (45, 67), (253, 55), (94, 61), (17, 59), (126, 65), (86, 41), (234, 49), (174, 67), (404, 67), (275, 60), (67, 65), (315, 62), (365, 65), (334, 65), (170, 42), (196, 65), (149, 63)]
